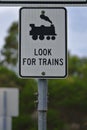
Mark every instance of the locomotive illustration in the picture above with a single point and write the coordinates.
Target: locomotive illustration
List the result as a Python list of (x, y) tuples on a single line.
[(43, 31)]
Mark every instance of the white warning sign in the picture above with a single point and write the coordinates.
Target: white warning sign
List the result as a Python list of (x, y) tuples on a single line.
[(43, 42)]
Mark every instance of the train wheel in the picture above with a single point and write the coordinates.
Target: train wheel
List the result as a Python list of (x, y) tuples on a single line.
[(53, 37), (34, 37), (41, 37), (48, 37)]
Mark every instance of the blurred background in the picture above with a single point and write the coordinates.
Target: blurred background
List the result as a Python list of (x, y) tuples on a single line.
[(67, 106)]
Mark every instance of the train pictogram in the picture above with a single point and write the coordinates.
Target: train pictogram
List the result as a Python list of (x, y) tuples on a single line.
[(43, 31)]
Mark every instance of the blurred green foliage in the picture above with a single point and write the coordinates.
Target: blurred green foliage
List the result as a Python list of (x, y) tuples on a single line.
[(10, 48), (67, 100)]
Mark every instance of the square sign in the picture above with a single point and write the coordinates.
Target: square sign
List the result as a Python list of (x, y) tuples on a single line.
[(43, 42), (9, 102)]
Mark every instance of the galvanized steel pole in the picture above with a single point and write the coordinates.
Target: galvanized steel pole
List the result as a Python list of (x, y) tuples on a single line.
[(42, 104), (5, 110)]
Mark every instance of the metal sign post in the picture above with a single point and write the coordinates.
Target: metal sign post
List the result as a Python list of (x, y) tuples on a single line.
[(43, 50), (5, 110), (42, 104)]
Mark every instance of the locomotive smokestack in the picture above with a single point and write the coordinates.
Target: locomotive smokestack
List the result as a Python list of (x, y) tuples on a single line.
[(42, 16)]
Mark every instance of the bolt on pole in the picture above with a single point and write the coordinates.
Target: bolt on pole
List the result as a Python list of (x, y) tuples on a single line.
[(42, 104)]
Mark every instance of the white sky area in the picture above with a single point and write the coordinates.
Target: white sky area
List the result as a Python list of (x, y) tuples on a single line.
[(76, 27)]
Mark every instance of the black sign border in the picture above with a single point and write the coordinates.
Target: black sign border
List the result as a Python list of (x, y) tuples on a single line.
[(43, 77), (43, 2)]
